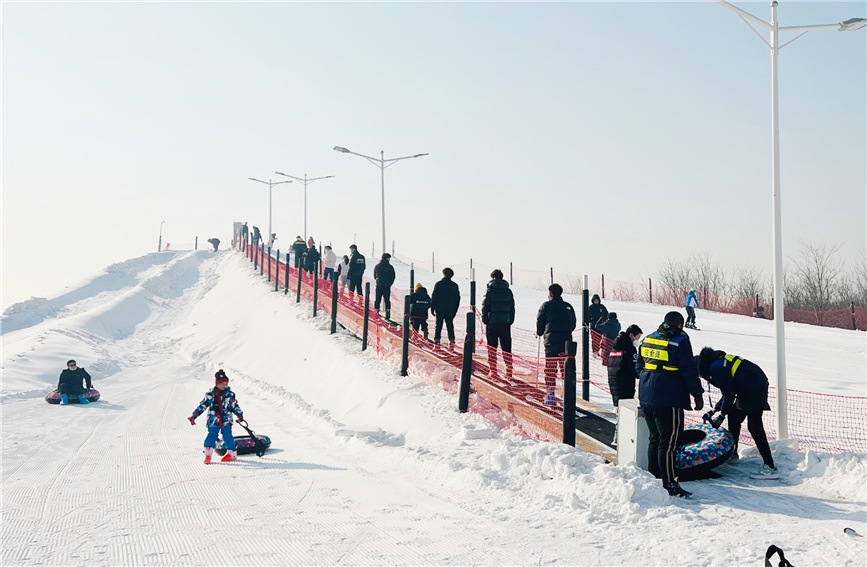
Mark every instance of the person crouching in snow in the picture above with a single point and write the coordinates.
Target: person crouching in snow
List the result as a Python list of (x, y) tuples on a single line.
[(221, 404)]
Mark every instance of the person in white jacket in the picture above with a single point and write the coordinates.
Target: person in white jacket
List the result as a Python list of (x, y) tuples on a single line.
[(343, 272), (329, 261)]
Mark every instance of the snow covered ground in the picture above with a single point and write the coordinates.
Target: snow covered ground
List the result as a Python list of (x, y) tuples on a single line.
[(366, 467)]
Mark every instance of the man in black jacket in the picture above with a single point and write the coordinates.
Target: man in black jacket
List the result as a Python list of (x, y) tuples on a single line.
[(311, 256), (298, 247), (444, 303), (418, 309), (70, 383), (555, 321), (596, 313), (498, 315), (357, 265), (383, 273), (668, 376), (621, 364)]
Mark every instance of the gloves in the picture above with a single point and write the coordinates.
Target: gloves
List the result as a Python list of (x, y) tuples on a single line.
[(699, 403), (708, 417), (192, 420), (717, 421), (240, 418)]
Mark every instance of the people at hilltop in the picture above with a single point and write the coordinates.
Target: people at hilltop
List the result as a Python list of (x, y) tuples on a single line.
[(215, 242), (691, 306), (498, 315), (298, 248), (343, 272), (444, 303), (244, 232), (329, 260), (555, 321), (272, 239), (222, 406), (357, 265), (596, 312), (607, 329), (744, 388), (668, 376), (257, 236), (420, 303), (74, 381), (383, 274), (311, 256)]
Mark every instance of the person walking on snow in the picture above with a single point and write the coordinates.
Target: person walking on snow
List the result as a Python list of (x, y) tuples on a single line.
[(357, 265), (418, 309), (311, 256), (744, 388), (298, 247), (668, 376), (444, 303), (221, 405), (596, 312), (343, 272), (215, 242), (272, 240), (555, 322), (70, 383), (498, 315), (383, 273), (330, 260), (691, 306), (608, 330)]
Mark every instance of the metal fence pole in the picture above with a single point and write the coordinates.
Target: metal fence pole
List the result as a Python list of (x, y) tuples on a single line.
[(366, 315), (333, 305), (569, 392), (404, 355), (467, 364), (585, 343)]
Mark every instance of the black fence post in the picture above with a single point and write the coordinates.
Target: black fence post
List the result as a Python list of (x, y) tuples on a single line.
[(286, 283), (585, 344), (277, 273), (411, 280), (650, 288), (467, 364), (315, 291), (854, 324), (473, 295), (298, 296), (269, 263), (569, 392), (603, 286), (196, 245), (262, 259), (366, 315), (333, 305), (255, 258), (404, 356)]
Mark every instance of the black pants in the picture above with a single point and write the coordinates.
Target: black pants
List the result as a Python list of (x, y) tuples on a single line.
[(450, 327), (383, 293), (419, 323), (71, 389), (756, 428), (499, 334), (355, 284), (665, 425), (690, 315), (329, 274), (554, 363)]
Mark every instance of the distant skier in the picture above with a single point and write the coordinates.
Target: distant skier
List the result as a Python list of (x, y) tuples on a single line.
[(329, 261), (70, 383), (221, 405), (498, 314), (444, 303), (744, 388), (215, 242), (357, 265), (691, 306), (555, 321), (298, 247), (383, 273), (418, 309)]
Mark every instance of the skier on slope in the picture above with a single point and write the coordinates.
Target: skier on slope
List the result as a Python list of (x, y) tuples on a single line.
[(221, 405), (691, 306), (70, 383)]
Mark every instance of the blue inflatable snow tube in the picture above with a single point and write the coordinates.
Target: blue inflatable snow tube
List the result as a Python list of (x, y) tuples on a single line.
[(701, 449)]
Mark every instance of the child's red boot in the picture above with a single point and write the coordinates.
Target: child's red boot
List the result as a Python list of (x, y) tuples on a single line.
[(209, 452), (229, 457)]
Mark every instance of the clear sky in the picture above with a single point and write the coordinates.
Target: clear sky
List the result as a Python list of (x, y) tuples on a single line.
[(591, 137)]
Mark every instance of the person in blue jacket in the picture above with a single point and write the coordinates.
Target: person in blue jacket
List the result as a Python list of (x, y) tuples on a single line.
[(668, 376), (691, 306), (221, 404)]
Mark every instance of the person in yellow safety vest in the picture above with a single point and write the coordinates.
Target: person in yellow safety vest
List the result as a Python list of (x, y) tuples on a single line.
[(744, 388), (668, 376)]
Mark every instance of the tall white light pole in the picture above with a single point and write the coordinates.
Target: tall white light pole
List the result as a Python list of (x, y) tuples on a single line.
[(381, 163), (160, 245), (779, 299), (270, 185), (305, 181)]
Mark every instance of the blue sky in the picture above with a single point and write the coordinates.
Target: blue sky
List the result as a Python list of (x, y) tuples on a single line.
[(591, 137)]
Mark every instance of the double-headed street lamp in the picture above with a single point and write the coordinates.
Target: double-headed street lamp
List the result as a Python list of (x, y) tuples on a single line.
[(381, 163), (270, 185), (779, 300), (305, 181)]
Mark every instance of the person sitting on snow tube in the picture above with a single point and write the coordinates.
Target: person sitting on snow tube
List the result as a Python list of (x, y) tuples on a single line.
[(70, 383), (744, 388)]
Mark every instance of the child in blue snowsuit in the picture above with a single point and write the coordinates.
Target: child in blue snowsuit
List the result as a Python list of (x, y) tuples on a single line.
[(221, 404)]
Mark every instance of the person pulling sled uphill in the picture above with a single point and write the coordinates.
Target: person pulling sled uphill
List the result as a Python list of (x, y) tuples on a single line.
[(744, 388), (70, 383), (221, 405)]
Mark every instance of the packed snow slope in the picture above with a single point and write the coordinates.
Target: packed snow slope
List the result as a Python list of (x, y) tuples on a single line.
[(366, 467)]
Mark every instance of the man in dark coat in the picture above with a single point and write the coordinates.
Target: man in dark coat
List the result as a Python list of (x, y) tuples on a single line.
[(419, 305), (257, 236), (444, 303), (668, 376), (311, 256), (357, 265), (70, 383), (596, 312), (498, 315), (621, 364), (555, 322), (383, 273), (298, 247), (608, 330), (744, 388)]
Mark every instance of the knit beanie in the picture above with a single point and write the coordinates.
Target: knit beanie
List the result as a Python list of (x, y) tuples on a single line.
[(220, 376)]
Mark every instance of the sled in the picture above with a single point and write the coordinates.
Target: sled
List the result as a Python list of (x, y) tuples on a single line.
[(53, 397), (245, 445)]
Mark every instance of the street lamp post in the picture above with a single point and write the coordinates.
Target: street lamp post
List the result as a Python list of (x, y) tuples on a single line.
[(160, 245), (779, 300), (270, 185), (381, 163), (305, 181)]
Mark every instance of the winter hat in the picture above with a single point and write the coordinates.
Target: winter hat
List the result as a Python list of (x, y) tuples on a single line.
[(418, 286), (595, 298), (310, 241), (704, 358), (612, 315), (220, 376), (386, 256)]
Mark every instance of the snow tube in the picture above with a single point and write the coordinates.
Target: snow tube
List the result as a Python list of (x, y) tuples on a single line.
[(244, 444), (53, 397), (701, 449)]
